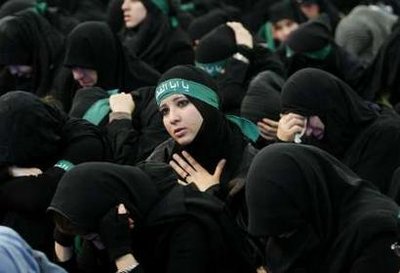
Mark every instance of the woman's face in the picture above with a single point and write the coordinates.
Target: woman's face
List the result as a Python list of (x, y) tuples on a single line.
[(21, 70), (283, 28), (134, 12), (85, 76), (310, 10), (181, 118), (315, 127)]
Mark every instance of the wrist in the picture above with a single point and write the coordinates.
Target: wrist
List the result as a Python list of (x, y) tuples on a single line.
[(246, 51), (204, 188), (119, 116), (284, 138)]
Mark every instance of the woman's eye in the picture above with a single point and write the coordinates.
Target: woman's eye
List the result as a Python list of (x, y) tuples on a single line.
[(182, 103), (164, 111)]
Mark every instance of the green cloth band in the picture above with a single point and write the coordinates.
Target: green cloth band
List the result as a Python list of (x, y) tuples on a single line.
[(41, 7), (266, 34), (185, 87), (187, 7), (65, 165), (96, 113), (248, 128), (162, 5), (318, 54), (205, 94), (213, 69)]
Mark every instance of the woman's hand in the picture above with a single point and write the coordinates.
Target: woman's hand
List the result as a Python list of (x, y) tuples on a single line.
[(268, 128), (122, 103), (242, 35), (15, 171), (290, 125), (188, 168)]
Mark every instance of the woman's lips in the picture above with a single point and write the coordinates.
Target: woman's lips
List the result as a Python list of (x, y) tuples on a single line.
[(180, 132)]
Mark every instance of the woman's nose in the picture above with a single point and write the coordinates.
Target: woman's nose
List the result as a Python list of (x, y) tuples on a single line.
[(174, 115)]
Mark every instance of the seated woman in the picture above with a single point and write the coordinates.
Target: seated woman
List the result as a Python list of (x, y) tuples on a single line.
[(281, 22), (262, 105), (161, 226), (322, 10), (203, 139), (363, 31), (31, 49), (229, 54), (17, 256), (313, 45), (113, 72), (150, 35), (327, 113), (38, 145), (316, 215)]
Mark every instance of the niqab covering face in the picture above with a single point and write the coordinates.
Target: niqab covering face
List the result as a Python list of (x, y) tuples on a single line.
[(30, 130), (313, 209), (28, 39)]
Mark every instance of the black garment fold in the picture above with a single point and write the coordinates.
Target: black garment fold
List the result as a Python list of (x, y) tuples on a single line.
[(317, 215)]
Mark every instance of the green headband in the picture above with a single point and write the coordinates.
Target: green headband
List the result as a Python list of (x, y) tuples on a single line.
[(318, 54), (201, 92), (189, 88), (188, 7), (266, 33), (41, 6), (213, 69), (162, 5)]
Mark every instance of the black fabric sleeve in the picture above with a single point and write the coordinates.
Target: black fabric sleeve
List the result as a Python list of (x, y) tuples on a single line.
[(137, 269), (85, 149), (377, 257), (32, 194), (134, 140), (188, 251), (70, 265)]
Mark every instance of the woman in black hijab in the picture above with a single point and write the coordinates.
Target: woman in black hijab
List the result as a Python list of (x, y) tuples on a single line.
[(151, 36), (340, 122), (86, 46), (313, 45), (212, 19), (175, 228), (230, 54), (322, 10), (199, 131), (59, 19), (316, 215), (262, 105), (38, 145), (82, 10), (32, 50)]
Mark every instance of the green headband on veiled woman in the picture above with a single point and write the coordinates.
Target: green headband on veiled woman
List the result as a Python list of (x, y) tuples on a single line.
[(204, 94)]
